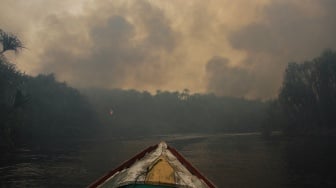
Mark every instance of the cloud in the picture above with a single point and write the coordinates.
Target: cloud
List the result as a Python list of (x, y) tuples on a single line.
[(289, 31), (227, 80), (157, 27), (92, 50), (234, 48)]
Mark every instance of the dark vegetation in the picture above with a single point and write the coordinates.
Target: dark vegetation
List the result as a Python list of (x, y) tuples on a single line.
[(307, 100), (38, 110), (41, 109), (140, 113), (305, 112)]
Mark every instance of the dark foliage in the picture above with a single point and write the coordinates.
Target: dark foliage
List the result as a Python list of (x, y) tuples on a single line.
[(54, 111), (141, 113), (307, 99), (38, 109), (44, 110), (9, 42)]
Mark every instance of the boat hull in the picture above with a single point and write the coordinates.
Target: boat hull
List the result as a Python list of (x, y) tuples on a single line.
[(156, 166)]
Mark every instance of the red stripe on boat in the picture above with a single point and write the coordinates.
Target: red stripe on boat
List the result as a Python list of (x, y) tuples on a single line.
[(140, 155), (192, 169), (126, 164)]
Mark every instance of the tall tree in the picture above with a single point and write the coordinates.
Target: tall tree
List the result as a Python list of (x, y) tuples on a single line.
[(10, 97), (308, 94)]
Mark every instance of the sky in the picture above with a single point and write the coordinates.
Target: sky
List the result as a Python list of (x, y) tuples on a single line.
[(234, 48)]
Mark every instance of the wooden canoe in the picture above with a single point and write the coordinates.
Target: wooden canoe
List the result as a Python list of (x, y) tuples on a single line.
[(158, 166)]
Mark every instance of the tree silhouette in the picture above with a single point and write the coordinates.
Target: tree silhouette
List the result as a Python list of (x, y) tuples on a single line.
[(308, 95), (9, 42)]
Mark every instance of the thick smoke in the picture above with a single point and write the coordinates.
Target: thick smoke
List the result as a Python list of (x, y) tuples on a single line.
[(288, 31), (107, 52), (227, 80), (171, 45)]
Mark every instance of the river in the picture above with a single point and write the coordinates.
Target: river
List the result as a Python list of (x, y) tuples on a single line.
[(228, 160)]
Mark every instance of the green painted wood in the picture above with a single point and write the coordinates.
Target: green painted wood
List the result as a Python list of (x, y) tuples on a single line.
[(145, 186)]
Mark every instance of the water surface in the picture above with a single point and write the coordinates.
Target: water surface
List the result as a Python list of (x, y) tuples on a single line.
[(228, 160)]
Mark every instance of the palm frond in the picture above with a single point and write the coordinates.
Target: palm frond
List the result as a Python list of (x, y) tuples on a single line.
[(10, 42)]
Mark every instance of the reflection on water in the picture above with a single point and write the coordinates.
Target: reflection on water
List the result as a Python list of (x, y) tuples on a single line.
[(229, 160)]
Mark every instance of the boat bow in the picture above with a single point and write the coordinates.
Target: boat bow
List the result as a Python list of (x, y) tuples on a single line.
[(159, 165)]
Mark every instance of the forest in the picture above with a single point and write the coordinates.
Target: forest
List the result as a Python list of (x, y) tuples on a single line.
[(131, 112), (306, 104), (39, 109)]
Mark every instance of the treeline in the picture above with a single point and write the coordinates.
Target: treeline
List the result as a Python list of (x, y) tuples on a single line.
[(36, 110), (306, 104), (130, 112), (39, 109)]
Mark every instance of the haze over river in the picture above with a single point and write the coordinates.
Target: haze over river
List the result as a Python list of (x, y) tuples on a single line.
[(228, 160)]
